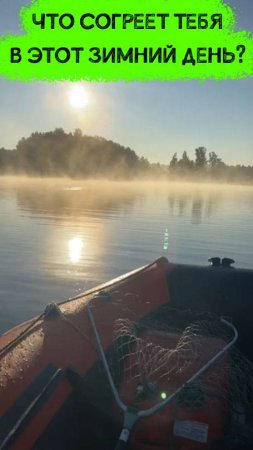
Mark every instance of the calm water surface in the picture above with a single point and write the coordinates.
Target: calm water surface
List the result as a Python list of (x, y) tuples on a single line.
[(59, 238)]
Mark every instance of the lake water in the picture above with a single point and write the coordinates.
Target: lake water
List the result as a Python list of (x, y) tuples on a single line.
[(59, 238)]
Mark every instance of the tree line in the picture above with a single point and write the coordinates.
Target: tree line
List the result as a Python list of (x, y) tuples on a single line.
[(57, 153), (208, 166)]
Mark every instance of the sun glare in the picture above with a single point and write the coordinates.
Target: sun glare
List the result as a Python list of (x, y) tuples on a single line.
[(75, 249), (78, 97)]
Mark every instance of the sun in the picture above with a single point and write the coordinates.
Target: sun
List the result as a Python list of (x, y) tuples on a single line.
[(78, 96)]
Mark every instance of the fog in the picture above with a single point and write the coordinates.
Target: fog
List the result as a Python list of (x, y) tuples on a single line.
[(57, 197), (74, 155)]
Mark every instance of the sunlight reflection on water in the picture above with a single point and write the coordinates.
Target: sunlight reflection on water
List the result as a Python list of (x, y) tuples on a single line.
[(60, 238), (75, 249)]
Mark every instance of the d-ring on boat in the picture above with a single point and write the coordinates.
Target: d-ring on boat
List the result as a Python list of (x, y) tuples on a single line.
[(159, 358)]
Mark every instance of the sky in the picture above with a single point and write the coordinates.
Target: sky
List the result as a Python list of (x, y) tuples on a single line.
[(155, 119)]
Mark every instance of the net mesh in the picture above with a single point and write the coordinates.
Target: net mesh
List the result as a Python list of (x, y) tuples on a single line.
[(163, 351), (154, 355)]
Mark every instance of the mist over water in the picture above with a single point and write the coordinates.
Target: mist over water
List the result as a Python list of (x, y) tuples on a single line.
[(59, 237)]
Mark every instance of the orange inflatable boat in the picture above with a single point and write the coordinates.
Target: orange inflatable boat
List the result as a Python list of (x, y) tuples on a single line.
[(154, 348)]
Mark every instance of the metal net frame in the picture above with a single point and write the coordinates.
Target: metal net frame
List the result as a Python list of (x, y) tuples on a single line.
[(160, 360)]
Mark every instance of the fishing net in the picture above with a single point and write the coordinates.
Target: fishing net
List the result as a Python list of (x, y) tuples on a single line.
[(154, 357), (185, 376)]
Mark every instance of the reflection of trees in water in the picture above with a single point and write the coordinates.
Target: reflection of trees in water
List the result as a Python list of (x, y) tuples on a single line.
[(196, 204), (182, 204), (75, 201)]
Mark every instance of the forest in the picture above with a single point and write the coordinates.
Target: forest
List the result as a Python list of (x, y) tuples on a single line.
[(76, 155)]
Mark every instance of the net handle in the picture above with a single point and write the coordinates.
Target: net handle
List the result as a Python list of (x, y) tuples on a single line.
[(118, 400)]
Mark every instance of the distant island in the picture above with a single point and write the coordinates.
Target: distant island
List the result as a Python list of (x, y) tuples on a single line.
[(75, 155)]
